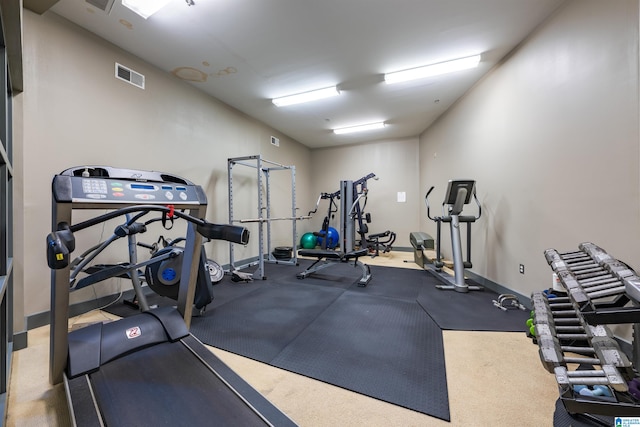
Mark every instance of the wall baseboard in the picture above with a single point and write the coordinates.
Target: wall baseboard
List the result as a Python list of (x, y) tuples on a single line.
[(20, 340)]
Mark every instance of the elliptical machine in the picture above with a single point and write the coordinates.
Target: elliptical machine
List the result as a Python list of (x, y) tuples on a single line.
[(161, 272), (459, 193)]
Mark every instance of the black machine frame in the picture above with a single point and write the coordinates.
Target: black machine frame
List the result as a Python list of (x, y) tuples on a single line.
[(349, 194), (147, 363)]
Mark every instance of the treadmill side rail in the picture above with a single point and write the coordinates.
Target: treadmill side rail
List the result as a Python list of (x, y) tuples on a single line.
[(83, 408), (256, 401)]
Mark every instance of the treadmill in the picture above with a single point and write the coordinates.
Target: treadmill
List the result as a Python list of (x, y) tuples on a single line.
[(147, 369)]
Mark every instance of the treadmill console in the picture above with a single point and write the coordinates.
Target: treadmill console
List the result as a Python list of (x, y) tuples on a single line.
[(107, 185)]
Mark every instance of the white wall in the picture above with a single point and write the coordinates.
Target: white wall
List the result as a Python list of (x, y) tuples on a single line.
[(76, 112), (551, 136)]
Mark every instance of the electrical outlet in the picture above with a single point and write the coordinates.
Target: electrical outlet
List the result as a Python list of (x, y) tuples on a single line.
[(521, 268)]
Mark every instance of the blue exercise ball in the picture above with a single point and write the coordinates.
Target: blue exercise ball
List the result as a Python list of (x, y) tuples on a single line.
[(333, 238)]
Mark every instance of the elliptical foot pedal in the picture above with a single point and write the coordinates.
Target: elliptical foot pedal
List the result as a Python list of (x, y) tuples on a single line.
[(507, 301), (239, 276)]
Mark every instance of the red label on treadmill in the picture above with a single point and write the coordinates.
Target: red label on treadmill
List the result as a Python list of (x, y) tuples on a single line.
[(133, 332)]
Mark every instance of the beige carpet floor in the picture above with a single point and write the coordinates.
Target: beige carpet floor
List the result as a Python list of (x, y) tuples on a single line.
[(494, 379)]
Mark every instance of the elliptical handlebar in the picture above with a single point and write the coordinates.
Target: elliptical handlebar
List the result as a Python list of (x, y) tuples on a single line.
[(444, 214), (426, 201), (475, 199)]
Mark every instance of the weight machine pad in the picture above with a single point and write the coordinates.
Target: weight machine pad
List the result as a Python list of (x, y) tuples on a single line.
[(321, 253), (420, 240)]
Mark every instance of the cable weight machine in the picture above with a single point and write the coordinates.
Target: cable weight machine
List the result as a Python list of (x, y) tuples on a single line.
[(350, 195)]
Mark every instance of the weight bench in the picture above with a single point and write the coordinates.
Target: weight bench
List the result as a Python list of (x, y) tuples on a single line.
[(421, 241), (327, 258)]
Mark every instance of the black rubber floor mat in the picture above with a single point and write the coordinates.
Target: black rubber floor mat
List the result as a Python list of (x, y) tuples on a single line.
[(375, 340), (399, 283), (261, 323), (383, 340), (337, 275), (120, 308), (470, 311), (380, 347)]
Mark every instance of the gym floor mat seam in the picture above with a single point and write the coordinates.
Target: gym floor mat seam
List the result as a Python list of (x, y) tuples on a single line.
[(280, 321)]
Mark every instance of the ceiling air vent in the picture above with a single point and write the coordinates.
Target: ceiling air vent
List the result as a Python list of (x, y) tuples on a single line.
[(129, 76), (104, 5)]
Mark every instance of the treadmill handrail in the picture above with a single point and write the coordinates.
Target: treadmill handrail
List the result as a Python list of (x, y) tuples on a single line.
[(129, 209), (231, 233), (63, 241)]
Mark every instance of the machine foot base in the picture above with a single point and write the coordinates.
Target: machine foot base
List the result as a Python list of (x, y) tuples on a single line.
[(462, 289)]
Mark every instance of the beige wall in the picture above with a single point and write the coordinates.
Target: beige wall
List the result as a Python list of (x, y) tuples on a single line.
[(551, 136), (394, 162), (76, 112)]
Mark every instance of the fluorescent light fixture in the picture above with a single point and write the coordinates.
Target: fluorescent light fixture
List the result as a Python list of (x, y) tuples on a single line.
[(312, 95), (433, 69), (145, 8), (359, 128)]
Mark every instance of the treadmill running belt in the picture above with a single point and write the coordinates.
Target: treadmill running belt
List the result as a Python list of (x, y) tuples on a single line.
[(158, 385)]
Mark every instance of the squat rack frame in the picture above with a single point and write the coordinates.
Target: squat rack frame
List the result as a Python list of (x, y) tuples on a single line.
[(263, 173)]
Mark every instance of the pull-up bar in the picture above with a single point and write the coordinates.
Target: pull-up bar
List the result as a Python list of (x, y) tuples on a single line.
[(283, 218)]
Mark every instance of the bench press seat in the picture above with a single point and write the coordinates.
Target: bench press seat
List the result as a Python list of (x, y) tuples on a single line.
[(330, 254)]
